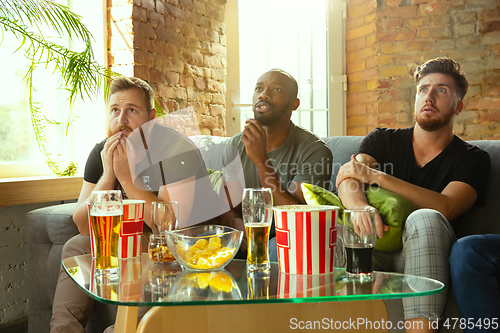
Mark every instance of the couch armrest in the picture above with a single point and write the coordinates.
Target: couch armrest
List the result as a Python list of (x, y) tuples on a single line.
[(48, 230)]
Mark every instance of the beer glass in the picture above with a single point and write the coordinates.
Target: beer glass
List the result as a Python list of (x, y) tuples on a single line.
[(257, 210), (106, 211), (258, 284), (164, 215), (359, 234)]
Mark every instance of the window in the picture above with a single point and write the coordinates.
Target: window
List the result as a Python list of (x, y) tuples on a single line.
[(19, 152), (301, 38)]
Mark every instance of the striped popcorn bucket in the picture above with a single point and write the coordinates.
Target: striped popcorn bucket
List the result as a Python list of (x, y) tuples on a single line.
[(300, 286), (306, 237), (129, 243), (131, 285)]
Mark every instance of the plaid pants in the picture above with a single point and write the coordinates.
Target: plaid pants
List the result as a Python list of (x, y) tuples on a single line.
[(427, 241)]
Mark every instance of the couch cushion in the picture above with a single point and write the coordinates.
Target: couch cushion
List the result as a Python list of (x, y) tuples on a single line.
[(342, 148), (48, 230), (483, 219)]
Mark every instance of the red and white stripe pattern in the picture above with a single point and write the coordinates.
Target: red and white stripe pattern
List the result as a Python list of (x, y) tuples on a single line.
[(129, 244), (306, 237), (298, 286), (131, 285), (92, 239)]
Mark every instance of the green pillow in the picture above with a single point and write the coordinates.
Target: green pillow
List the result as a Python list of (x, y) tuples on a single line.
[(318, 196), (393, 208)]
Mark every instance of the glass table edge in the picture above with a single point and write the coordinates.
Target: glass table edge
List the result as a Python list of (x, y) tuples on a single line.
[(273, 300)]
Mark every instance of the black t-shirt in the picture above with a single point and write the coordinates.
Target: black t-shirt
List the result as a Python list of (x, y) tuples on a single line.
[(170, 157), (459, 161)]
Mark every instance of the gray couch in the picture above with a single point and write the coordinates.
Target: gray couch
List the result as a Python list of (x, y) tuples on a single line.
[(49, 228)]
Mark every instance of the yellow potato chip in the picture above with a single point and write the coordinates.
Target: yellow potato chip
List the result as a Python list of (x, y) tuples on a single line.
[(207, 252), (203, 280), (220, 282), (200, 244), (203, 264), (215, 241)]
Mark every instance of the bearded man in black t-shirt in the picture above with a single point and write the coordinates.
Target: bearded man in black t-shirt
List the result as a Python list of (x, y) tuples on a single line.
[(146, 161), (434, 169)]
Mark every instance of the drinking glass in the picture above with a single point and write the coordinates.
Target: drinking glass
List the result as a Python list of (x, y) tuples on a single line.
[(164, 215), (359, 245), (258, 284), (257, 210), (106, 212)]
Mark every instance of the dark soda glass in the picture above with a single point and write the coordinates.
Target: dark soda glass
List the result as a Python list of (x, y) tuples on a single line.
[(359, 259)]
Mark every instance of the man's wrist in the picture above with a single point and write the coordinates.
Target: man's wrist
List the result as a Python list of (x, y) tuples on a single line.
[(108, 178)]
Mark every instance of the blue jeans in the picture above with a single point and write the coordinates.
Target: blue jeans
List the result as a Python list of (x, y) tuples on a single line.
[(475, 272)]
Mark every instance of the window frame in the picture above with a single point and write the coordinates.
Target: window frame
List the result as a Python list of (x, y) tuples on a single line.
[(32, 170), (337, 78)]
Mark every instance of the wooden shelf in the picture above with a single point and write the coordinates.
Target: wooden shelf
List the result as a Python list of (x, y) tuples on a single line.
[(22, 191)]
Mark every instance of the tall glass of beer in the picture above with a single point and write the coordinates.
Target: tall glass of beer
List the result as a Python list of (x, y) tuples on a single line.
[(257, 210), (359, 234), (106, 211)]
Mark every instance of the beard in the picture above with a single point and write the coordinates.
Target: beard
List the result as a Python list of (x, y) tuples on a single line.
[(273, 116), (118, 128), (432, 124)]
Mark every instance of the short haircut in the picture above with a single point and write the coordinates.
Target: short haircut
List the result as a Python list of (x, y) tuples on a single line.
[(293, 83), (444, 66), (125, 82)]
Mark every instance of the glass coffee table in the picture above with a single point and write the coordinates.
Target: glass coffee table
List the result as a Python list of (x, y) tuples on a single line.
[(296, 301)]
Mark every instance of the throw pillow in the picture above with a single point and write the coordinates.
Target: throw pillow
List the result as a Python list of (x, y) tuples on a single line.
[(318, 196), (393, 209)]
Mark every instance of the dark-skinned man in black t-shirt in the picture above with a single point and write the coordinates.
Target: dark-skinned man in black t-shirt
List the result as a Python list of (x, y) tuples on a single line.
[(428, 165)]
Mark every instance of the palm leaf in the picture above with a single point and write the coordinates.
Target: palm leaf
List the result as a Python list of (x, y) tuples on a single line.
[(79, 73), (81, 76)]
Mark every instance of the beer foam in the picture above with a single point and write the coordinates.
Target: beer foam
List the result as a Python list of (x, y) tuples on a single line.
[(305, 208), (98, 211)]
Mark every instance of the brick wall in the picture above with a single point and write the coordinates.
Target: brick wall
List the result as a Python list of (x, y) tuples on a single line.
[(387, 39), (179, 48)]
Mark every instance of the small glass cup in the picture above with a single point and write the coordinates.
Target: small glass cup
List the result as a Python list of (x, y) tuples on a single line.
[(161, 280), (257, 211), (359, 234), (158, 250), (165, 216)]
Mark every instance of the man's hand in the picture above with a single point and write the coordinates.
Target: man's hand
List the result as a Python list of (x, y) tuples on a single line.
[(364, 227), (121, 162), (357, 170), (255, 140), (107, 156)]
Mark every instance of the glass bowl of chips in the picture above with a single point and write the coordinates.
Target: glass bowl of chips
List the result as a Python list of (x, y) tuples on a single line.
[(204, 286), (204, 248)]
